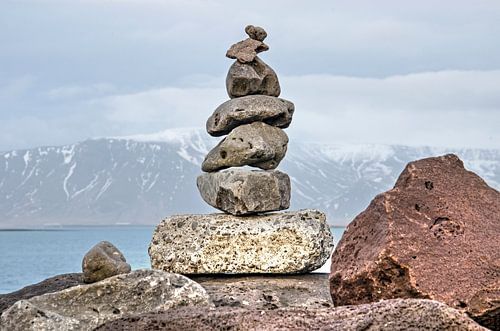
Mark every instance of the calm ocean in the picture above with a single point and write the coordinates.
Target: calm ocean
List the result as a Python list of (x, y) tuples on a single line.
[(28, 257)]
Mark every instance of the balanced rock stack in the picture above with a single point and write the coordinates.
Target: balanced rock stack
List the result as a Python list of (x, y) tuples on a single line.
[(246, 238)]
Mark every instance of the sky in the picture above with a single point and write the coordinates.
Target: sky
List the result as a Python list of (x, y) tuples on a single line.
[(361, 71)]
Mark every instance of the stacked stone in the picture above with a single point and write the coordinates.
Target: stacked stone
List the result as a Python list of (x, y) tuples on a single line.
[(253, 121), (246, 238)]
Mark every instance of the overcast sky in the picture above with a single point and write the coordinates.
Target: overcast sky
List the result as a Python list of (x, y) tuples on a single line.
[(393, 72)]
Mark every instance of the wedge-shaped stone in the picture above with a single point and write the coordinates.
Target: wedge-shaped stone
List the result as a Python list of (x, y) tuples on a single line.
[(253, 108), (278, 243), (242, 192), (257, 144), (84, 307), (255, 77), (246, 50)]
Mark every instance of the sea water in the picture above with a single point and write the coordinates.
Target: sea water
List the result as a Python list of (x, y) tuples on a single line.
[(30, 256)]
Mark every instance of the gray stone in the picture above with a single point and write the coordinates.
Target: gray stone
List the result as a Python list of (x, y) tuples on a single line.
[(49, 285), (255, 77), (387, 315), (252, 108), (84, 307), (246, 50), (102, 261), (257, 144), (243, 192), (268, 292), (256, 32), (277, 243)]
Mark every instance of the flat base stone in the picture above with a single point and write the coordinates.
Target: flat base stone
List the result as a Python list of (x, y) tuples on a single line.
[(277, 243), (243, 192)]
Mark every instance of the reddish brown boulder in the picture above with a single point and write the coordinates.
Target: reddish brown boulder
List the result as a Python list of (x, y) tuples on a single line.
[(435, 235)]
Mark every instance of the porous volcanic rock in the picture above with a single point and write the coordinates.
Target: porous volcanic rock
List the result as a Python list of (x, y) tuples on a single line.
[(49, 285), (257, 144), (255, 77), (256, 32), (389, 315), (246, 50), (267, 291), (243, 192), (252, 108), (435, 235), (102, 261), (84, 307), (279, 243)]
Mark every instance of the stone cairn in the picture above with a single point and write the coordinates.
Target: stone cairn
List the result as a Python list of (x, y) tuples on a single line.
[(246, 238)]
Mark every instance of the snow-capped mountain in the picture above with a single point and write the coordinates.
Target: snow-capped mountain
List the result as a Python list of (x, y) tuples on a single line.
[(141, 179)]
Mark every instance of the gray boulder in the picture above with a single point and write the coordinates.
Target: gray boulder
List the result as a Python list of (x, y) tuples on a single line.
[(256, 144), (84, 307), (243, 192), (254, 77), (277, 243), (102, 261), (248, 109)]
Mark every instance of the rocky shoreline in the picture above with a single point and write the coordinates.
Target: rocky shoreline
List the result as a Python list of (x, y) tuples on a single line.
[(423, 255)]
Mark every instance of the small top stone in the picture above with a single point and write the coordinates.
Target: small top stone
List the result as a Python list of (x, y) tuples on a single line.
[(102, 261), (256, 32)]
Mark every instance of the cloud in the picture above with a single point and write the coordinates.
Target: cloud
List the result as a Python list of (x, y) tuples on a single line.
[(65, 92), (445, 108), (384, 71)]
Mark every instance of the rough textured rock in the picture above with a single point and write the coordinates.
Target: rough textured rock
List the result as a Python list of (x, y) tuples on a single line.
[(434, 235), (253, 108), (256, 32), (102, 261), (84, 307), (390, 315), (50, 285), (246, 50), (255, 77), (256, 144), (268, 291), (244, 192), (288, 242)]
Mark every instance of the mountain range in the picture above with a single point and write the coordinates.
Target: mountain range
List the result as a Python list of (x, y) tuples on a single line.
[(144, 178)]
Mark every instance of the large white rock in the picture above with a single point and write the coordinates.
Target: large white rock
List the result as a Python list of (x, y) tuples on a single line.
[(288, 242), (84, 307)]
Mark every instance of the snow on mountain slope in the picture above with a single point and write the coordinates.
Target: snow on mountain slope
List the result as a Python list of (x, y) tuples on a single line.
[(141, 179)]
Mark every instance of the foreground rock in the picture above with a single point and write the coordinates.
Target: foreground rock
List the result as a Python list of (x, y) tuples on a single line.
[(241, 192), (256, 32), (50, 285), (103, 260), (256, 144), (435, 235), (253, 108), (289, 242), (86, 306), (268, 292), (409, 314), (255, 77)]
